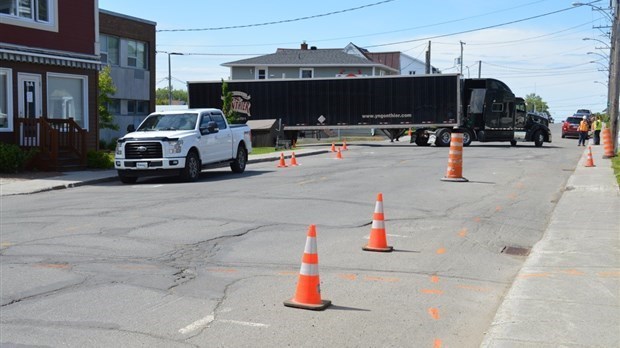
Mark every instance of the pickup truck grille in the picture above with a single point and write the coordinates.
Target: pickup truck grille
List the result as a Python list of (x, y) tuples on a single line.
[(143, 150)]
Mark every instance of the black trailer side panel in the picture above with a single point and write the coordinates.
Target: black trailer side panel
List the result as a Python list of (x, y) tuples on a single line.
[(390, 100)]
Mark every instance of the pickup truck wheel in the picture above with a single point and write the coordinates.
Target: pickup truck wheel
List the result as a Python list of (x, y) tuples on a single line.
[(442, 137), (127, 179), (192, 167), (238, 164), (539, 138)]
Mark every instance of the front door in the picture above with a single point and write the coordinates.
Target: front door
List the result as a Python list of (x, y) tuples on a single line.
[(29, 107)]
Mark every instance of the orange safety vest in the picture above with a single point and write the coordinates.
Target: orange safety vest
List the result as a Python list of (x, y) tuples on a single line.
[(583, 126)]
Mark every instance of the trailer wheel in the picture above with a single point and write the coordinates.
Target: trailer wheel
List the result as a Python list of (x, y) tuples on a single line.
[(442, 137), (421, 139), (238, 164), (513, 142), (539, 138), (467, 137), (192, 167)]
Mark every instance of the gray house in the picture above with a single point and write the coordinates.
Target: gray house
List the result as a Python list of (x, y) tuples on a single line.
[(309, 63)]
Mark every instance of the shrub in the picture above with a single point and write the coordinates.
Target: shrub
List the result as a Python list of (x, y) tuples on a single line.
[(13, 158), (99, 159)]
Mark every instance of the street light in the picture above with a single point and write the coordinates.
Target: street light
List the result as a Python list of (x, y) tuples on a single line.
[(613, 93), (602, 83), (600, 55), (601, 41), (605, 67), (170, 74)]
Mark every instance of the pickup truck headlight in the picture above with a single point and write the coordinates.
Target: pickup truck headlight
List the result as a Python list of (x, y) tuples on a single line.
[(119, 149), (175, 146)]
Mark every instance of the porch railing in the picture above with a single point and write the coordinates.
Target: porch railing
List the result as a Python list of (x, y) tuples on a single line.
[(51, 136)]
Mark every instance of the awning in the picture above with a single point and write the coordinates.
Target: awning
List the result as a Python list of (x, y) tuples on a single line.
[(38, 56)]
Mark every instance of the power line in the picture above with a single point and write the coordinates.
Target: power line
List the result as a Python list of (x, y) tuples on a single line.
[(473, 30), (281, 21)]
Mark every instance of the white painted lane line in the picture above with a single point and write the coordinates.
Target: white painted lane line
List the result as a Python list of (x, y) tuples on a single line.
[(243, 323), (198, 324)]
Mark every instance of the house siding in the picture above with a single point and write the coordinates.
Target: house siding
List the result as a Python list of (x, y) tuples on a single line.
[(76, 30)]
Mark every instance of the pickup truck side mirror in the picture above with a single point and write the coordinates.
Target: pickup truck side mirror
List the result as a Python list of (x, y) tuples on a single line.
[(131, 128), (210, 128)]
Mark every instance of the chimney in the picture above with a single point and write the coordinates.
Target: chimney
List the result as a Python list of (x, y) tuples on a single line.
[(304, 45), (313, 48)]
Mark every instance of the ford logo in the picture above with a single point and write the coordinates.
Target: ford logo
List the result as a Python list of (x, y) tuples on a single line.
[(141, 148)]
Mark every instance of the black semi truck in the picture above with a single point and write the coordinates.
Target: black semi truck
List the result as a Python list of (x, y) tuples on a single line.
[(430, 105)]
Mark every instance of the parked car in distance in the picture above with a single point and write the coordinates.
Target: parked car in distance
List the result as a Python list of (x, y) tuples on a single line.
[(571, 125), (582, 112)]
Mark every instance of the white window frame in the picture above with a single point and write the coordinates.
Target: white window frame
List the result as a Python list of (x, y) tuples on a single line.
[(261, 68), (301, 73), (135, 57), (84, 79), (106, 51), (9, 96), (50, 25)]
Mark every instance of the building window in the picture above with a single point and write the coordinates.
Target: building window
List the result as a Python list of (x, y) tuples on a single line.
[(6, 100), (137, 107), (411, 72), (109, 49), (306, 73), (67, 97), (114, 106), (39, 11), (136, 54), (261, 73)]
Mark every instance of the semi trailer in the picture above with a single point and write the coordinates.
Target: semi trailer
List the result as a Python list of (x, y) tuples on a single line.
[(484, 109)]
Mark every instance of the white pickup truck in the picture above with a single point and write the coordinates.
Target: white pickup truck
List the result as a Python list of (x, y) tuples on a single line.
[(181, 143)]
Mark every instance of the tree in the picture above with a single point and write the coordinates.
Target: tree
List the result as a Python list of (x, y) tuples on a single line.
[(227, 99), (106, 89), (535, 103), (161, 96)]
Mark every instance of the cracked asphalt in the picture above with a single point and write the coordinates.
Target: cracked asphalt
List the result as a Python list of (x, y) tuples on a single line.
[(208, 264)]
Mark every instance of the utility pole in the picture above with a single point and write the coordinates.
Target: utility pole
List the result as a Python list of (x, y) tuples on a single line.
[(479, 68), (462, 43), (614, 77), (428, 59)]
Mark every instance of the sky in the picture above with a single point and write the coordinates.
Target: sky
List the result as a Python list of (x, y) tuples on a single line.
[(548, 47)]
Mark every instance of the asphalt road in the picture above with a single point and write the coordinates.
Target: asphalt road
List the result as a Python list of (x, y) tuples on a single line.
[(208, 264)]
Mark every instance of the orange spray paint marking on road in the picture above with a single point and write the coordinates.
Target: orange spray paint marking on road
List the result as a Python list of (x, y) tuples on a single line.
[(432, 291), (441, 251), (612, 274), (434, 279), (498, 208), (573, 272), (437, 343), (477, 219), (434, 313), (348, 276), (463, 232), (380, 279), (512, 196)]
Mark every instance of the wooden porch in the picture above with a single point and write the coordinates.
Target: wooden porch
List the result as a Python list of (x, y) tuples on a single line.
[(61, 142)]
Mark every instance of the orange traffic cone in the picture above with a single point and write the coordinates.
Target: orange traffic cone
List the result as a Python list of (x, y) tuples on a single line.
[(589, 160), (339, 154), (378, 240), (344, 145), (607, 145), (282, 164), (455, 158), (333, 147), (308, 294), (293, 160)]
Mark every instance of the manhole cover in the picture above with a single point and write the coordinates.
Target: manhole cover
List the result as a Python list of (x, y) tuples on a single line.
[(518, 251)]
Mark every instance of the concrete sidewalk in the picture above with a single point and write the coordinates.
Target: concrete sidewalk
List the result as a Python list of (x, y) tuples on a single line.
[(11, 186), (567, 293)]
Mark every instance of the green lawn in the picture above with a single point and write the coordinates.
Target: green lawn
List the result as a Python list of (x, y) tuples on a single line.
[(615, 164)]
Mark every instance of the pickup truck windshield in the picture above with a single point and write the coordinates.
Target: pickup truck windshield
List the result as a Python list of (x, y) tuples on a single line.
[(159, 122)]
